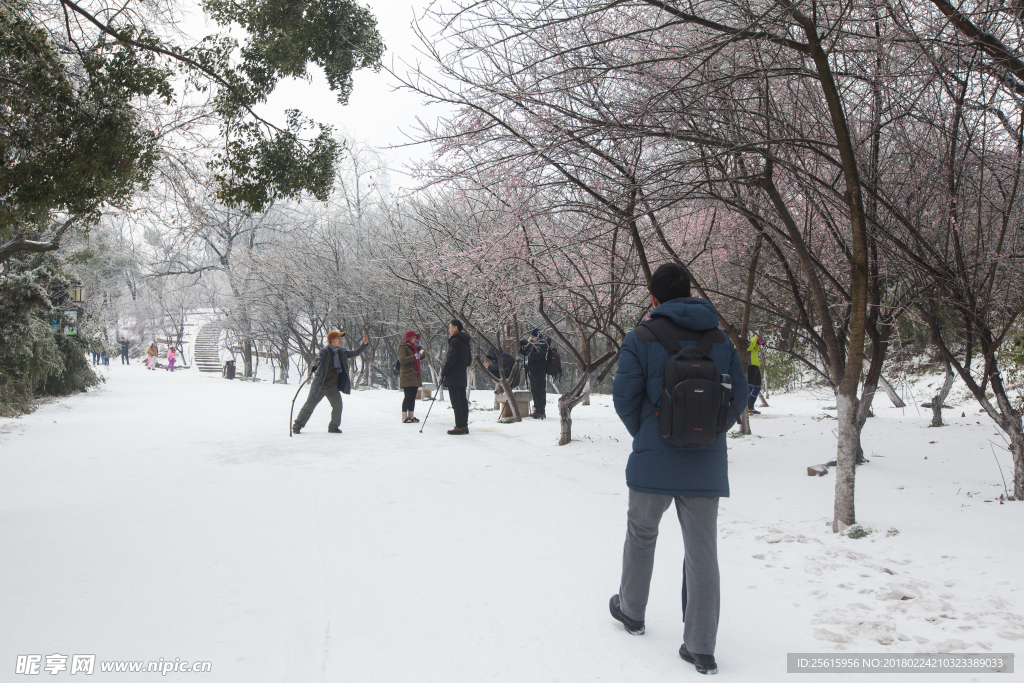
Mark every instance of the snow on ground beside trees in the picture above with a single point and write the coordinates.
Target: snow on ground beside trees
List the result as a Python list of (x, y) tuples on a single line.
[(172, 516)]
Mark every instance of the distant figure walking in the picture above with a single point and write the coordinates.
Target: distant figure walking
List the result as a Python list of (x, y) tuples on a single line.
[(330, 381), (754, 373), (410, 377), (104, 357), (171, 356), (95, 357), (124, 351), (152, 352)]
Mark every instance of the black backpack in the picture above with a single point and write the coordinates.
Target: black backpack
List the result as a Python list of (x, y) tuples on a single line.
[(553, 366), (696, 397)]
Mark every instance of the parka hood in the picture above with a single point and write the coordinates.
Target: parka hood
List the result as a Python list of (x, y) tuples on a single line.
[(689, 312)]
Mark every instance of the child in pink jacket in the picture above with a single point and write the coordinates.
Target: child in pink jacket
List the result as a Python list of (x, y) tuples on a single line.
[(171, 355)]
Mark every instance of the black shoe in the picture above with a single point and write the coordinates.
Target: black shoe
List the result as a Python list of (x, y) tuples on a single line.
[(538, 416), (633, 627), (705, 663), (296, 429), (333, 430), (754, 411)]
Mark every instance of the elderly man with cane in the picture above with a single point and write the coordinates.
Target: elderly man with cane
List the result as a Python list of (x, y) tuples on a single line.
[(330, 381)]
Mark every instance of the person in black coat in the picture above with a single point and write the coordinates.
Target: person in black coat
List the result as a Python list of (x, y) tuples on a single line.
[(453, 375), (508, 367), (124, 352), (535, 354), (330, 381)]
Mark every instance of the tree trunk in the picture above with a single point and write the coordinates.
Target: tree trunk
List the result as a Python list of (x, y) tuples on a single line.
[(506, 387), (745, 423), (941, 396), (568, 401), (247, 356), (891, 393), (846, 394), (1017, 451), (846, 461)]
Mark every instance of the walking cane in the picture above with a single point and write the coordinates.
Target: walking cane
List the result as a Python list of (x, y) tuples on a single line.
[(291, 415), (427, 417)]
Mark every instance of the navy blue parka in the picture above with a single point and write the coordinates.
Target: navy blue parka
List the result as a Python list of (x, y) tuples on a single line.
[(655, 465)]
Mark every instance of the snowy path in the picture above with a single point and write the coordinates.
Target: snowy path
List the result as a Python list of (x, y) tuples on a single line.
[(171, 516)]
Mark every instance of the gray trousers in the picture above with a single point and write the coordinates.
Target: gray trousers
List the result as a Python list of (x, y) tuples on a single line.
[(333, 395), (698, 517)]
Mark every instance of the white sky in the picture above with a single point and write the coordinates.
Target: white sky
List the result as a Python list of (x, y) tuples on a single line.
[(377, 114)]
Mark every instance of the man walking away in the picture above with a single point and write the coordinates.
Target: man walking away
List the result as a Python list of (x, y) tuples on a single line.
[(453, 375), (330, 380), (124, 352), (535, 352), (659, 473), (754, 373)]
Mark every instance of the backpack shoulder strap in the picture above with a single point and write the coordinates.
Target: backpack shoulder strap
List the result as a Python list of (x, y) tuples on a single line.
[(707, 340), (659, 327)]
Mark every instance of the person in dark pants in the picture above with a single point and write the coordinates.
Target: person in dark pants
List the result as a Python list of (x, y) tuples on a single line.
[(330, 381), (124, 352), (535, 354), (104, 358), (410, 377), (453, 375), (660, 474), (754, 373), (95, 357)]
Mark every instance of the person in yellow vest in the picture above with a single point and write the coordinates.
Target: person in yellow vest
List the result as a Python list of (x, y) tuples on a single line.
[(754, 373)]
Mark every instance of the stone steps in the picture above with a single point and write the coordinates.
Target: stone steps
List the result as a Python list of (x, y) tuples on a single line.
[(206, 349)]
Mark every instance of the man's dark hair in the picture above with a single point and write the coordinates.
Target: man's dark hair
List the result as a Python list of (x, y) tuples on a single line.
[(670, 281), (458, 324)]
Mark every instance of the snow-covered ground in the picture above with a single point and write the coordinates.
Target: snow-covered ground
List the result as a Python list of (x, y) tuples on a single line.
[(171, 516)]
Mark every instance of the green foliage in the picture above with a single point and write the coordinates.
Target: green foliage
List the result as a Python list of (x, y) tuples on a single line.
[(285, 36), (263, 170), (35, 360), (72, 139), (1011, 361), (75, 374), (780, 372)]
